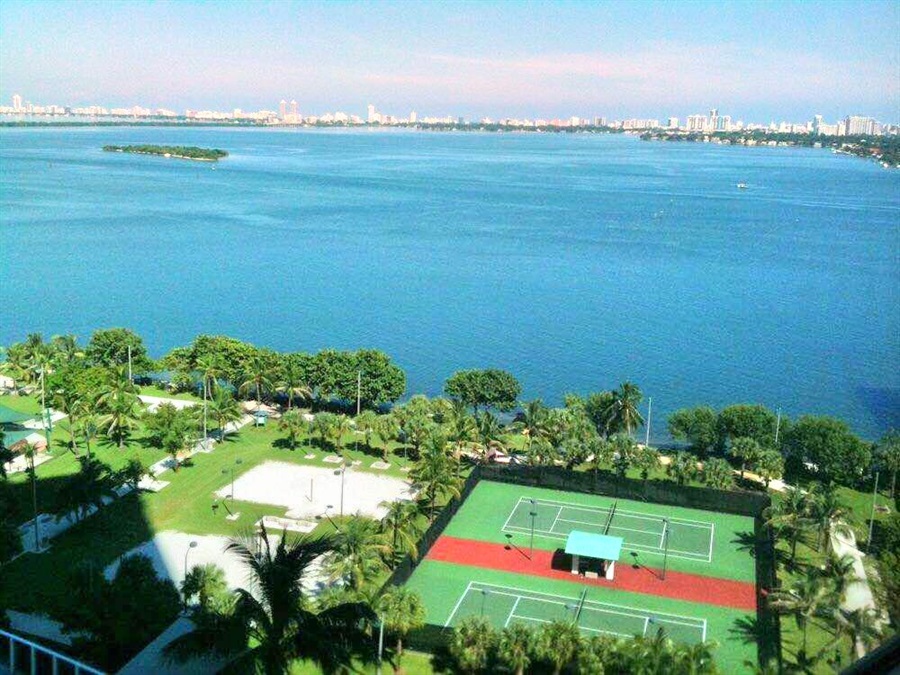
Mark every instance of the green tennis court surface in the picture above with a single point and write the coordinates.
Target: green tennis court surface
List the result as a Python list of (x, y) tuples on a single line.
[(641, 531), (504, 605)]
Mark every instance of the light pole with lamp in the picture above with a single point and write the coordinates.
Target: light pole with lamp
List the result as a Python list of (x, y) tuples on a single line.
[(237, 462), (187, 552), (666, 546), (333, 524), (484, 594), (341, 471)]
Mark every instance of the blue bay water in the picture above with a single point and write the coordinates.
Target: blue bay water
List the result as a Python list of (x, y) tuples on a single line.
[(576, 262)]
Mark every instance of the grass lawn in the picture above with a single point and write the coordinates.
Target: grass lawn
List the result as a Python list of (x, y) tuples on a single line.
[(163, 393)]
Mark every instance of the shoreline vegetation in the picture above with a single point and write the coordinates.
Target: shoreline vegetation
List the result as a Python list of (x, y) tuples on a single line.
[(173, 151), (883, 149)]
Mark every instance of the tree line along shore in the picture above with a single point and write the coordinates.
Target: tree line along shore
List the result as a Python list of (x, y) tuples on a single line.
[(175, 151), (96, 386)]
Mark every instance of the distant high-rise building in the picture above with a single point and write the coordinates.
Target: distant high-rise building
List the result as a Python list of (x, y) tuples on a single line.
[(672, 123), (17, 102), (413, 117), (697, 122), (859, 126), (282, 109), (294, 109), (372, 116)]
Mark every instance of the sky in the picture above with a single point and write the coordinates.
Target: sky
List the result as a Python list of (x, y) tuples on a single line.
[(756, 61)]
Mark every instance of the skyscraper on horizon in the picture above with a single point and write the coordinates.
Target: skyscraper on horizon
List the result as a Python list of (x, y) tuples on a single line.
[(17, 102), (282, 109)]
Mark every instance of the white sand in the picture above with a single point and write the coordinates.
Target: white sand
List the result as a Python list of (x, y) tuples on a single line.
[(288, 485)]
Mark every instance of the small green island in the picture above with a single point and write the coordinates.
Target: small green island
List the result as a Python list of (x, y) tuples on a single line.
[(176, 151)]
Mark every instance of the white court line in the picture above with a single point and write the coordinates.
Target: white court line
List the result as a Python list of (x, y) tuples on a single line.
[(704, 630), (558, 514), (673, 553), (646, 624), (612, 527), (662, 536), (712, 533), (512, 612), (592, 630), (637, 514), (560, 600), (458, 603), (513, 512)]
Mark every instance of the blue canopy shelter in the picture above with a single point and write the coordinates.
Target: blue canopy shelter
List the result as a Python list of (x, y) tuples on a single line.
[(600, 549)]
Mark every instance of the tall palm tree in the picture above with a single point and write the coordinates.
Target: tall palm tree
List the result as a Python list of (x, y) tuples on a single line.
[(338, 431), (683, 467), (402, 611), (888, 451), (647, 461), (489, 433), (359, 553), (66, 401), (119, 404), (65, 349), (558, 642), (747, 450), (85, 490), (293, 424), (515, 647), (387, 430), (827, 509), (472, 643), (256, 376), (292, 382), (770, 465), (808, 597), (695, 659), (400, 525), (435, 471), (460, 427), (625, 452), (600, 453), (533, 422), (367, 424), (267, 633), (225, 409), (790, 516), (206, 583), (622, 414)]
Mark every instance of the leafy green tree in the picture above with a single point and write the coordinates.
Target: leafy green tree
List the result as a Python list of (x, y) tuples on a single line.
[(515, 647), (769, 466), (748, 421), (415, 422), (697, 426), (807, 598), (172, 429), (600, 454), (461, 428), (436, 472), (489, 434), (367, 423), (402, 611), (558, 643), (324, 424), (791, 517), (683, 467), (625, 451), (696, 659), (597, 407), (830, 447), (647, 460), (132, 473), (337, 432), (359, 553), (472, 644), (257, 375), (717, 473), (380, 380), (826, 509), (207, 584), (388, 430), (267, 633), (489, 388), (109, 349), (111, 621), (293, 424), (293, 379), (533, 422), (746, 450)]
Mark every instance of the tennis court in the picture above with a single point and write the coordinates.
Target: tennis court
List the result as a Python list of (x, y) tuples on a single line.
[(687, 539), (503, 605)]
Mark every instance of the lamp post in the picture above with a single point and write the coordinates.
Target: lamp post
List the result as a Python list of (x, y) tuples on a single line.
[(533, 514), (187, 552), (342, 470), (872, 518), (484, 594), (333, 524), (380, 641), (666, 546), (237, 462)]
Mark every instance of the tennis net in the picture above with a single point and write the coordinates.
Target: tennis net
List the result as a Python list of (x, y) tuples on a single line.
[(580, 605), (609, 518)]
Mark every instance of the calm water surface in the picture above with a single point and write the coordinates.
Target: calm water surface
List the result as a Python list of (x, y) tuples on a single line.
[(575, 262)]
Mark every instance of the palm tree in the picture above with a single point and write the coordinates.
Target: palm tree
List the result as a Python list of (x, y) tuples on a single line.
[(489, 433), (359, 552), (472, 643), (695, 659), (85, 490), (647, 460), (339, 428), (400, 524), (791, 516), (624, 451), (558, 643), (683, 467), (622, 414), (269, 632), (863, 625), (460, 428), (840, 573), (435, 472), (367, 423), (747, 450), (717, 473), (515, 647), (88, 424), (206, 582), (387, 430), (770, 465), (118, 401), (225, 409), (826, 509), (806, 599), (292, 422), (292, 382), (888, 451), (600, 453), (65, 349), (533, 422), (256, 376), (67, 401), (402, 611)]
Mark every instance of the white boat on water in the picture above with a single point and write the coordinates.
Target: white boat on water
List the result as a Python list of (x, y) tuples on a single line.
[(742, 186)]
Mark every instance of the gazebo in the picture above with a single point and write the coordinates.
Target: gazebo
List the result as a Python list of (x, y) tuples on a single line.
[(594, 554)]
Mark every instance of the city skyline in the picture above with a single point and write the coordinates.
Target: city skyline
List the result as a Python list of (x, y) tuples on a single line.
[(645, 59)]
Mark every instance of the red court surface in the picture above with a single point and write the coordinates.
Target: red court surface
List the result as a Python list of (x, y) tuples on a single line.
[(678, 585)]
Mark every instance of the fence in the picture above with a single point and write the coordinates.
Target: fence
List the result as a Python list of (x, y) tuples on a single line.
[(25, 656)]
